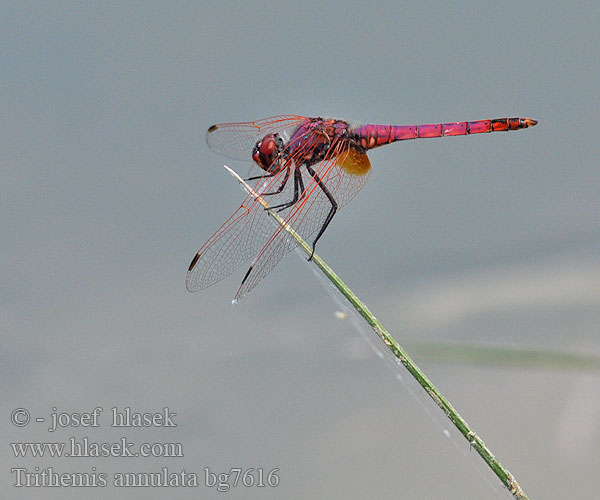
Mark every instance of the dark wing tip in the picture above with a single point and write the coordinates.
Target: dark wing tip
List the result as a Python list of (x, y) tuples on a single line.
[(194, 260), (188, 278), (212, 128)]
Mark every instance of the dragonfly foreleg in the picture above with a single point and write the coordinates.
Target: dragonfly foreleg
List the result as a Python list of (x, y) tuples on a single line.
[(264, 176), (281, 186), (332, 210), (298, 192)]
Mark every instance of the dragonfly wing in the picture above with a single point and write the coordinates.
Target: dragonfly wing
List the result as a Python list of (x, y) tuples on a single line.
[(309, 213), (235, 242), (237, 140), (241, 236), (223, 253)]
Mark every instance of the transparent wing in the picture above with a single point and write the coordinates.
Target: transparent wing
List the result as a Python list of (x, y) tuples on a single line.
[(244, 233), (238, 239), (236, 140), (251, 231), (307, 216)]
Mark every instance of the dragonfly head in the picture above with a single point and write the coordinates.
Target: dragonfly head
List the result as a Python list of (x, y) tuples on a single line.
[(267, 151)]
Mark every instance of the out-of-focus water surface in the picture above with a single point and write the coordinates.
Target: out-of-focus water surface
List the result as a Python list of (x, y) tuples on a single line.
[(492, 240)]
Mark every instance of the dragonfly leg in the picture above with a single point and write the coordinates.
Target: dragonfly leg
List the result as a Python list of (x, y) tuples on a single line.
[(332, 211), (264, 176), (281, 186), (298, 192)]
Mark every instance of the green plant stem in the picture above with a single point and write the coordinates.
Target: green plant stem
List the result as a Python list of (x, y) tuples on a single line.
[(475, 441)]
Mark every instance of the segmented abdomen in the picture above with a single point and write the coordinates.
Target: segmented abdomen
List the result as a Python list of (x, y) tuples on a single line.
[(371, 136)]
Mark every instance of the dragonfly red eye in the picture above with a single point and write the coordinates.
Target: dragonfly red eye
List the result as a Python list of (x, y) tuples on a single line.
[(268, 145), (265, 151)]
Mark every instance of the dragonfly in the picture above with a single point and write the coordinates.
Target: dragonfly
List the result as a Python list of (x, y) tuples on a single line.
[(309, 169)]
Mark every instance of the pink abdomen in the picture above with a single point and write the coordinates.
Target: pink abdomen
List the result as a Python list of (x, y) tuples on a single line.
[(371, 136)]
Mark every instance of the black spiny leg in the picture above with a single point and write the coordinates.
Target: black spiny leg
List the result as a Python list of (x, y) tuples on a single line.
[(298, 192), (264, 176), (332, 211), (281, 186)]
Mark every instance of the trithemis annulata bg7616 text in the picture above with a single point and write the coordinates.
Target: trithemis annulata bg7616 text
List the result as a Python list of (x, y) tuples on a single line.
[(311, 167)]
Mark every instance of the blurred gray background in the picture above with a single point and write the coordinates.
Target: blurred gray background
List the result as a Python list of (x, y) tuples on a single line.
[(108, 189)]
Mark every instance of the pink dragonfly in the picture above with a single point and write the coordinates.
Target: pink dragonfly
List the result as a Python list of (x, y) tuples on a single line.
[(311, 167)]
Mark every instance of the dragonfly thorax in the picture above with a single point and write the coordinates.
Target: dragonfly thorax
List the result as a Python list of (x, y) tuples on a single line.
[(267, 152)]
